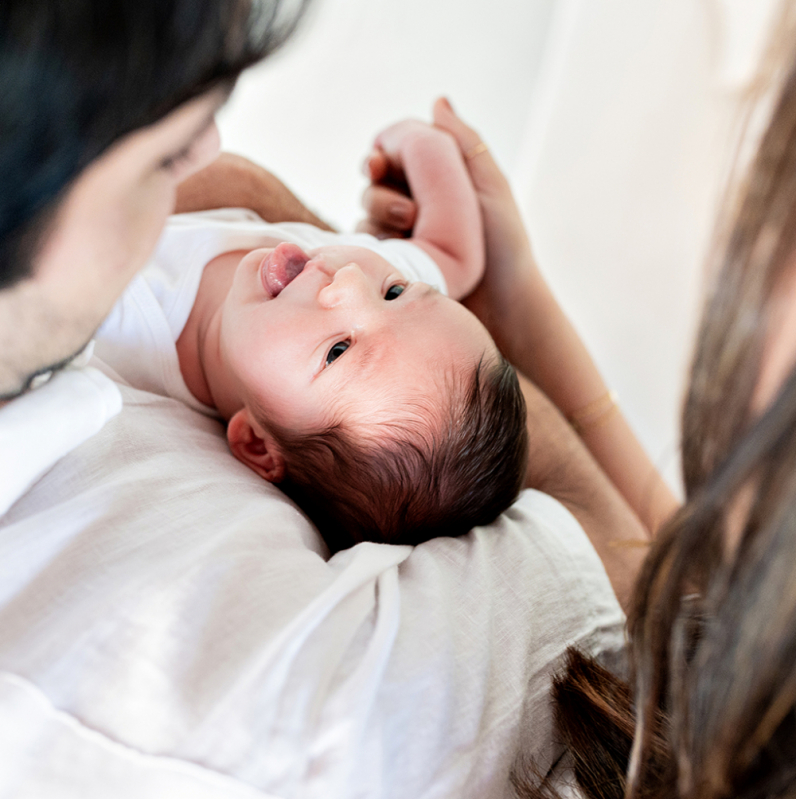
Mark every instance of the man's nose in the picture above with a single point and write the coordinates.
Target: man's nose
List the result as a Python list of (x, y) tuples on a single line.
[(348, 286)]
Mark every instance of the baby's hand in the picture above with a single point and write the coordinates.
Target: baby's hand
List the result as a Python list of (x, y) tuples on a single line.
[(448, 220), (511, 276)]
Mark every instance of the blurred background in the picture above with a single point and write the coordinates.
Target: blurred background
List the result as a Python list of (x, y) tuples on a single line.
[(615, 120)]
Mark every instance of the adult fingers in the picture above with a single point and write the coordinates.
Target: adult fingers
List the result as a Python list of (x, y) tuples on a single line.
[(366, 226), (484, 171), (381, 167), (389, 208)]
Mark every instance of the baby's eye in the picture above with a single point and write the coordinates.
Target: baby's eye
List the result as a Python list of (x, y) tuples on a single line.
[(394, 291), (336, 351)]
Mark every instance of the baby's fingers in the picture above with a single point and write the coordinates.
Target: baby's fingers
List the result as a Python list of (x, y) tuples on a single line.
[(484, 172), (393, 139)]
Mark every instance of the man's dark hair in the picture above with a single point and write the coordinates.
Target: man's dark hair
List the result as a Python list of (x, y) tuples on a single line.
[(420, 483), (76, 75)]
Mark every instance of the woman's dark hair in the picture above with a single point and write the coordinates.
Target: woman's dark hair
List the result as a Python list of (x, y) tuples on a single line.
[(424, 479), (712, 712), (76, 75)]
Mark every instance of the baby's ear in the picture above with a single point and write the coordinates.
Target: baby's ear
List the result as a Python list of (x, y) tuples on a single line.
[(254, 447)]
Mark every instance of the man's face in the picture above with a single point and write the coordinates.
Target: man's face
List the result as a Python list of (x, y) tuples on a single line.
[(102, 233), (349, 336)]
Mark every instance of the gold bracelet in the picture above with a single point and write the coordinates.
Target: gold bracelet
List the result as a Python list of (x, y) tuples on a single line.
[(629, 543), (594, 414)]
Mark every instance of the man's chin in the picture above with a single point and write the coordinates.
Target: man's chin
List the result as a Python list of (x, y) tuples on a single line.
[(12, 385)]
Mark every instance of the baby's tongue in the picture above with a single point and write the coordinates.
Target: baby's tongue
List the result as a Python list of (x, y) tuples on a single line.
[(282, 265)]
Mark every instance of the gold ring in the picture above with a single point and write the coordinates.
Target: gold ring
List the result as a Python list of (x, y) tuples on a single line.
[(477, 150)]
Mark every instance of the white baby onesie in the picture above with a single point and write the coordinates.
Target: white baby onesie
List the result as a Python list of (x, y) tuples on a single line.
[(138, 339)]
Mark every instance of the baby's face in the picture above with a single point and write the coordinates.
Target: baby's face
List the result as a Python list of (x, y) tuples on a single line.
[(338, 330)]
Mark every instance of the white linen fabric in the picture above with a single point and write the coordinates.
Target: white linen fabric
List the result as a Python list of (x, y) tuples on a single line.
[(138, 338), (47, 753), (41, 426), (171, 626)]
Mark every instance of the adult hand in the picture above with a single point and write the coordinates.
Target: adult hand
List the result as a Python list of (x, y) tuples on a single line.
[(512, 282), (508, 285), (530, 328), (387, 200), (447, 224), (518, 308)]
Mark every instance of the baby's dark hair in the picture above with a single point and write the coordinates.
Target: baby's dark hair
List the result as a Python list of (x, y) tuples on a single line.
[(423, 483)]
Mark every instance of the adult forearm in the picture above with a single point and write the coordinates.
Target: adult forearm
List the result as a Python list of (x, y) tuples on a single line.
[(233, 181), (542, 343), (560, 465)]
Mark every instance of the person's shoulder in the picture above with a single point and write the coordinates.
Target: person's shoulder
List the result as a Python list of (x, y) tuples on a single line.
[(43, 425), (570, 557), (567, 583)]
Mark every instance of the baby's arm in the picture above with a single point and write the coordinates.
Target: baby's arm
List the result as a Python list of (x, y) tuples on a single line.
[(448, 225)]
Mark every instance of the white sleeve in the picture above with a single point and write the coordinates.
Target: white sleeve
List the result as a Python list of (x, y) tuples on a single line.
[(162, 597), (46, 753), (412, 262)]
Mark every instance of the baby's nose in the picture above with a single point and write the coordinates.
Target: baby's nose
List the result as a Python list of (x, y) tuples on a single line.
[(348, 284)]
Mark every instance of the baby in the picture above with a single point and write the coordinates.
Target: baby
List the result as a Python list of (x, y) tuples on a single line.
[(344, 372)]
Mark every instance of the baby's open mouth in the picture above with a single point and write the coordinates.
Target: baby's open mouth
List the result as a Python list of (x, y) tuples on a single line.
[(283, 264)]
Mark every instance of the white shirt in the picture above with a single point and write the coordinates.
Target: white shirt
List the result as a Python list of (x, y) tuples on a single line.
[(171, 626), (41, 426)]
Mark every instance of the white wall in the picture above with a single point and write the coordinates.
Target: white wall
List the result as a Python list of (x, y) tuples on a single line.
[(612, 117), (310, 112), (627, 151)]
